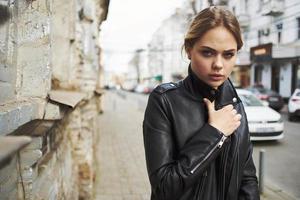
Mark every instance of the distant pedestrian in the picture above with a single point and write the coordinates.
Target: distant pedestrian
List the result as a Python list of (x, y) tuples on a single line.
[(196, 136)]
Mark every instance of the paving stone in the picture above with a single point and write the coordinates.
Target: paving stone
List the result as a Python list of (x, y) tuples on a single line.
[(120, 152)]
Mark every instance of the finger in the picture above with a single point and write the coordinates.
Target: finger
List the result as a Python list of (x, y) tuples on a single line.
[(238, 117), (210, 105), (237, 124), (234, 112), (228, 107)]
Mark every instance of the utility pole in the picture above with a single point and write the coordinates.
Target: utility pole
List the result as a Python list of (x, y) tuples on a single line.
[(137, 64)]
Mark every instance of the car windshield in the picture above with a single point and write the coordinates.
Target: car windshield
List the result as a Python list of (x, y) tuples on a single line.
[(262, 90), (265, 91), (250, 100)]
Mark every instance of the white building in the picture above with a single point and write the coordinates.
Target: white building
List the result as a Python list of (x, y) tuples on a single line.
[(138, 70), (166, 57), (271, 31), (271, 51)]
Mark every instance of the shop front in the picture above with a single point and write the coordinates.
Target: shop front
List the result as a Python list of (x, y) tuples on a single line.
[(241, 73), (276, 67)]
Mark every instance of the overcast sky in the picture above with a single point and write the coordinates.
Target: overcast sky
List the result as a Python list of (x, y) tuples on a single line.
[(129, 26)]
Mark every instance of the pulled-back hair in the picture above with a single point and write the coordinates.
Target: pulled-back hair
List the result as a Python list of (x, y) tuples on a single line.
[(208, 19)]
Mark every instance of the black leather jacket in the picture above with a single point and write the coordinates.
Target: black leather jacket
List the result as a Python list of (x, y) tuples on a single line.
[(187, 159)]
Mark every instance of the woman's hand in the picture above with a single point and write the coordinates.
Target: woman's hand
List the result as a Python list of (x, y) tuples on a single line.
[(226, 120)]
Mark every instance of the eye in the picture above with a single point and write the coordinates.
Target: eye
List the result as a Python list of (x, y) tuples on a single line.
[(228, 55), (207, 53)]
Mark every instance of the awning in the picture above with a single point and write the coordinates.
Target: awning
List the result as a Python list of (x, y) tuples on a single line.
[(268, 52)]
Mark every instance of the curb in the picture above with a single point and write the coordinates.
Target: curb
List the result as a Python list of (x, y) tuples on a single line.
[(274, 193)]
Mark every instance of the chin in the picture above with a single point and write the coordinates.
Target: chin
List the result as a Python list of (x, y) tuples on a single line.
[(215, 85)]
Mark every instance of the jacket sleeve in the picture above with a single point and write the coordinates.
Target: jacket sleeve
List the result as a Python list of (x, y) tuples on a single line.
[(172, 171), (249, 185)]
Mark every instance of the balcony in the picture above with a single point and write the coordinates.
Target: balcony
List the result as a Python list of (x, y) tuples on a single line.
[(244, 20), (273, 8)]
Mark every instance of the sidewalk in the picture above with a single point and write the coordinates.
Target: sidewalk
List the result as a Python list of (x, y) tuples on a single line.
[(121, 172), (272, 193)]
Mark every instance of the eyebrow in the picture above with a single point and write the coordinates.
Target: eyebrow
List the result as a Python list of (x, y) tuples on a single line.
[(206, 47)]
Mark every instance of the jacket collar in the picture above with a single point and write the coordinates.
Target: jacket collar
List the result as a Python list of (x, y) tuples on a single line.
[(224, 95)]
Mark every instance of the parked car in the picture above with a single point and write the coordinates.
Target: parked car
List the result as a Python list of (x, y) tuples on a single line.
[(294, 105), (264, 122), (273, 98), (139, 88), (145, 88)]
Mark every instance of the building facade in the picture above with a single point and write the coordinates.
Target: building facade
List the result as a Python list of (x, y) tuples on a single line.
[(270, 55), (50, 97), (166, 57), (272, 38)]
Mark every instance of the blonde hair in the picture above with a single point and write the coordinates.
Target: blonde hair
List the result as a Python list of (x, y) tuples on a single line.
[(208, 19)]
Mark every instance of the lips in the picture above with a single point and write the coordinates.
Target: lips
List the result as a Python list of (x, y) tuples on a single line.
[(216, 77)]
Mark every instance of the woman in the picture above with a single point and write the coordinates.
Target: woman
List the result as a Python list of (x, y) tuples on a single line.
[(195, 132)]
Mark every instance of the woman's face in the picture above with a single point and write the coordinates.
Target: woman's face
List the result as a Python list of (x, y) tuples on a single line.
[(213, 56)]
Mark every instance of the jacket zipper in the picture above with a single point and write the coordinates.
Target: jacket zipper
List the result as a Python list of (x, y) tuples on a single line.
[(218, 145)]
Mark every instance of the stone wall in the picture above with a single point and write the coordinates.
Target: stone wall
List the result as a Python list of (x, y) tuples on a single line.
[(49, 83)]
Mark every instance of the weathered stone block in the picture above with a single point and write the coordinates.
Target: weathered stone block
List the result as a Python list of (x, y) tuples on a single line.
[(8, 171), (7, 90), (52, 112), (40, 38), (29, 157), (36, 144), (26, 113), (14, 118), (4, 121), (8, 178)]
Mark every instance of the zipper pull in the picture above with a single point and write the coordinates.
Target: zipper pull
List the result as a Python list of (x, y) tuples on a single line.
[(220, 144)]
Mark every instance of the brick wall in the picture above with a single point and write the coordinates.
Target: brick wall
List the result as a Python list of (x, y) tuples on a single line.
[(48, 46)]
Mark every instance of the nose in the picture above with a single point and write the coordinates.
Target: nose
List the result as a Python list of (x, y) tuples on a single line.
[(218, 63)]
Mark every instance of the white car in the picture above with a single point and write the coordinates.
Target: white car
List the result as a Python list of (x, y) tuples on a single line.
[(294, 105), (264, 122)]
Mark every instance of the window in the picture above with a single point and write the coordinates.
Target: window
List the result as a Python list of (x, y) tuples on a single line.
[(258, 74), (279, 31), (259, 36), (298, 27)]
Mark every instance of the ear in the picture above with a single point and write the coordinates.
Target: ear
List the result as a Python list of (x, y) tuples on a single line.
[(188, 52)]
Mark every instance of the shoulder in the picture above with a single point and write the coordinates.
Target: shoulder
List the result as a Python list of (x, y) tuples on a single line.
[(165, 87)]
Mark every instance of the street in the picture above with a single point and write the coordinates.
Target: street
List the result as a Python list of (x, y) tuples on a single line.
[(124, 113), (282, 159)]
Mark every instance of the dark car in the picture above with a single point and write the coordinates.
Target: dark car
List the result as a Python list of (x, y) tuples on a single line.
[(273, 98)]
